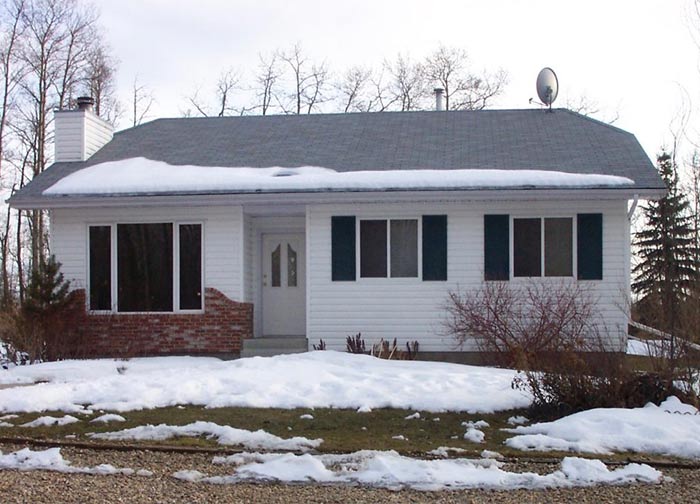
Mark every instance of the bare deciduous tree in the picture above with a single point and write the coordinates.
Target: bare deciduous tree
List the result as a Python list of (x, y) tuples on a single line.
[(266, 80), (309, 82), (352, 89), (448, 68), (407, 82), (226, 83), (100, 72), (141, 102)]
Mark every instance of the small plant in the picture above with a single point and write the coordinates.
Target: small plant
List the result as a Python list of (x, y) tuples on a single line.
[(356, 344), (384, 350), (412, 350), (321, 345)]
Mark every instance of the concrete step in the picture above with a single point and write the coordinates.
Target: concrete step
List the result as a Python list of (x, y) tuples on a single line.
[(277, 345)]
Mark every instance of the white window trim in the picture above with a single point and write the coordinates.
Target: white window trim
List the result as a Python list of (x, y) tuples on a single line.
[(419, 252), (574, 247), (114, 267)]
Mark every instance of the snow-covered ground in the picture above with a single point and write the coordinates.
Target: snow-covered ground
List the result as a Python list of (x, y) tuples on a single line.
[(52, 460), (673, 428), (224, 434), (388, 469), (308, 380), (327, 379), (385, 469)]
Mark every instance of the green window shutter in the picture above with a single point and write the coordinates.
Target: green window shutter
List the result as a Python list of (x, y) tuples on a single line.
[(496, 247), (435, 247), (589, 246), (343, 248)]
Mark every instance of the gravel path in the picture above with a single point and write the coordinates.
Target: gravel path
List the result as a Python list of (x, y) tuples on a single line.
[(51, 487)]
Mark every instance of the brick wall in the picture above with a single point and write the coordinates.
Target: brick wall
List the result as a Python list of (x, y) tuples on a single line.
[(219, 330)]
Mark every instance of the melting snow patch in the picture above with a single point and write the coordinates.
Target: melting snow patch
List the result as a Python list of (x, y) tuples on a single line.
[(52, 460), (6, 424), (651, 429), (474, 435), (364, 409), (444, 451), (306, 417), (517, 420), (488, 454), (109, 417), (414, 416), (390, 470), (8, 417), (49, 421), (224, 434), (399, 437)]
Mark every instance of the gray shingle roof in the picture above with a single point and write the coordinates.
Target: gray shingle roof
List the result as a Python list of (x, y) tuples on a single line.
[(488, 139)]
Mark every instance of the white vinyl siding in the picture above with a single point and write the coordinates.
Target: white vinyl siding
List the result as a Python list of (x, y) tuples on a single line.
[(410, 309), (221, 229)]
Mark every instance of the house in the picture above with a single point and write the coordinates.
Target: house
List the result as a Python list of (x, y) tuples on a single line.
[(264, 234)]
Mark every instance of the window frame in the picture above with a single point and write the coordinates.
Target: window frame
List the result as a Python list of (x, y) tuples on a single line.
[(541, 218), (419, 247), (115, 273)]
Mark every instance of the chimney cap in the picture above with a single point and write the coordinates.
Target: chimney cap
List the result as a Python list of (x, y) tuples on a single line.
[(85, 102)]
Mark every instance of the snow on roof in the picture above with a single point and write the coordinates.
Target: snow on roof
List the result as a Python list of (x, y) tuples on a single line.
[(144, 176)]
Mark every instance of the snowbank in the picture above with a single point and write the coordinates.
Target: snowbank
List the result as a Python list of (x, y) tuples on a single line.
[(144, 176), (673, 429), (388, 469), (224, 434), (52, 460), (308, 380)]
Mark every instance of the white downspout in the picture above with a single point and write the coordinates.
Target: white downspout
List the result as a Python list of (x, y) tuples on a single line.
[(630, 212)]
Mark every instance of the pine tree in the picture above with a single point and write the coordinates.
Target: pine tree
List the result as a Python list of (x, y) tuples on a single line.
[(47, 289), (666, 247)]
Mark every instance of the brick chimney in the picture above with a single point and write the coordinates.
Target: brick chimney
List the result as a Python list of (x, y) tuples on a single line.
[(79, 133)]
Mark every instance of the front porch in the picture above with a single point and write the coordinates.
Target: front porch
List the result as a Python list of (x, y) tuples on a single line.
[(274, 268)]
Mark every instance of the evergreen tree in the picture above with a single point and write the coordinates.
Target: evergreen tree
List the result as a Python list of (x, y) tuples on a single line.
[(666, 247)]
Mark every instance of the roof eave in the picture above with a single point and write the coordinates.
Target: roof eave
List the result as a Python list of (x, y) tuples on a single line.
[(325, 196)]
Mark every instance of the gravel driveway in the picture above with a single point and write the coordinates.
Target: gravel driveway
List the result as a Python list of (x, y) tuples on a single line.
[(50, 487)]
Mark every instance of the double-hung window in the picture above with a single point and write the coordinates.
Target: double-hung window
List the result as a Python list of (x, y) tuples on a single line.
[(543, 245), (145, 267), (389, 246)]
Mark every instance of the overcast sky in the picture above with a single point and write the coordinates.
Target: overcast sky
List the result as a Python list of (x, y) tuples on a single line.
[(634, 58)]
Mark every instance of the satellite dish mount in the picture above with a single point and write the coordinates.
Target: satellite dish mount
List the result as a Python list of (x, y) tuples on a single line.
[(547, 87)]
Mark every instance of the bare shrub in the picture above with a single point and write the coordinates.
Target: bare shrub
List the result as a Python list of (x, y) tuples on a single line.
[(517, 322), (355, 344), (321, 345), (552, 333)]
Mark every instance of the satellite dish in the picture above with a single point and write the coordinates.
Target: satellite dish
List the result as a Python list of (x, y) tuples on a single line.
[(547, 86)]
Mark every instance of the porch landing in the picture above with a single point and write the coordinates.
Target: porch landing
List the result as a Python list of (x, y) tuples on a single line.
[(267, 346)]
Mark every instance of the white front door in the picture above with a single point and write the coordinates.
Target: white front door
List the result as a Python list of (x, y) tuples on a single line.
[(283, 285)]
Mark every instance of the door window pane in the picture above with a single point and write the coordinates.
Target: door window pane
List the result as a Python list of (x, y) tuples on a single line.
[(527, 249), (373, 248), (404, 248), (291, 266), (190, 266), (100, 268), (558, 247), (276, 267), (145, 267)]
